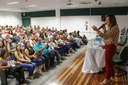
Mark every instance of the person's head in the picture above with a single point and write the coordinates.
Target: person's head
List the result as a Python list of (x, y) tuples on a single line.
[(110, 20), (4, 53), (46, 40), (27, 44), (8, 39), (39, 40), (51, 40), (78, 32), (14, 35), (18, 47)]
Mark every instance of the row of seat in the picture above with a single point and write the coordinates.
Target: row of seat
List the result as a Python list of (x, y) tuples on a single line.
[(121, 56)]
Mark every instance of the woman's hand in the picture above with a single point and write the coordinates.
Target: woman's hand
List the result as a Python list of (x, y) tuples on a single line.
[(7, 67), (34, 56), (28, 61), (94, 28), (16, 62), (104, 29)]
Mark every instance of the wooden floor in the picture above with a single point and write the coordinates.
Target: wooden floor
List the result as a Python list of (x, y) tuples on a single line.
[(72, 75)]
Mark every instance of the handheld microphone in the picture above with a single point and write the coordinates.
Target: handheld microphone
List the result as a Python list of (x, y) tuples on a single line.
[(102, 26)]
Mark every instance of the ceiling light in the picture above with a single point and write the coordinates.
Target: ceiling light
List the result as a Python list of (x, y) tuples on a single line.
[(44, 8), (85, 2), (72, 5), (13, 3), (31, 6), (4, 9), (18, 10)]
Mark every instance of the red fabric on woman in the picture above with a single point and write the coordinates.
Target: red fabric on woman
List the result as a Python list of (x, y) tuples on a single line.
[(110, 50), (110, 36)]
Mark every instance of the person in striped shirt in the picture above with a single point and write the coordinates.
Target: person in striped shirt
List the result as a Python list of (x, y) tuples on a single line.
[(111, 38)]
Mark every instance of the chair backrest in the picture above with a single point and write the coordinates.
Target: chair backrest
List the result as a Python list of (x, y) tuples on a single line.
[(124, 54), (123, 38), (127, 31), (123, 31)]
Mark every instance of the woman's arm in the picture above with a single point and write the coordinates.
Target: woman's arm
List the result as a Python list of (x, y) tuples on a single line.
[(27, 54), (104, 29), (109, 33), (42, 48), (99, 32), (3, 67), (8, 48), (35, 56), (27, 59), (18, 58)]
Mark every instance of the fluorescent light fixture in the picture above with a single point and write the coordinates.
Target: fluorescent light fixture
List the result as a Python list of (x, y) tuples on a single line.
[(44, 8), (72, 5), (10, 3), (31, 6), (4, 9), (18, 10)]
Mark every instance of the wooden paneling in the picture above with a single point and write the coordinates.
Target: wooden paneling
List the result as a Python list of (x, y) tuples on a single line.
[(72, 75)]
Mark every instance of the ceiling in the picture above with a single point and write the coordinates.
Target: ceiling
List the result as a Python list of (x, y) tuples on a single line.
[(40, 5)]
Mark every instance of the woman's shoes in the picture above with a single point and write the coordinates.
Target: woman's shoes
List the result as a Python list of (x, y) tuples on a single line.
[(31, 77), (105, 82), (24, 84), (112, 79)]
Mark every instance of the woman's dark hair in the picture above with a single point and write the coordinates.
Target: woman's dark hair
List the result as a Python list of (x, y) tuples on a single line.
[(3, 52), (112, 19), (26, 46), (17, 46)]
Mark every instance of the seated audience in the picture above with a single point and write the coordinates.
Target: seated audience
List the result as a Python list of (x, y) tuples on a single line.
[(16, 71), (31, 53), (25, 61)]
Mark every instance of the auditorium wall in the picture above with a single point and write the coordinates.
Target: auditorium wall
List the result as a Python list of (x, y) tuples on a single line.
[(74, 23), (10, 18), (81, 19), (44, 21)]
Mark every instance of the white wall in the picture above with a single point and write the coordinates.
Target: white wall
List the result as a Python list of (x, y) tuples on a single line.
[(71, 23), (122, 21), (44, 21), (75, 23), (10, 18)]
